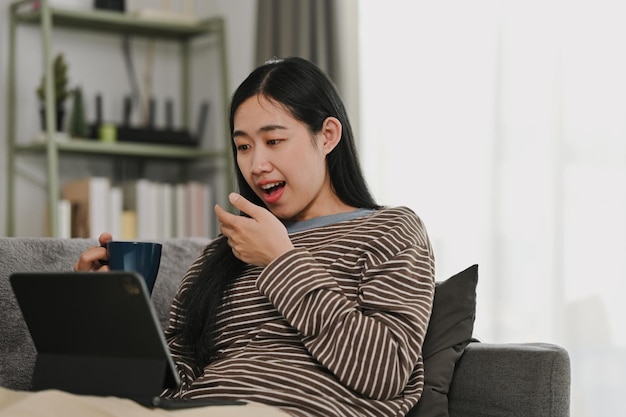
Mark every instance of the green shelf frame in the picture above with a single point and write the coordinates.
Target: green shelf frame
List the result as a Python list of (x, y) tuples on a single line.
[(94, 147), (122, 24), (116, 24)]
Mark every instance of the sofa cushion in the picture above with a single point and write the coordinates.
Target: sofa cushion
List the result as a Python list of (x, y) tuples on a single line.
[(449, 331)]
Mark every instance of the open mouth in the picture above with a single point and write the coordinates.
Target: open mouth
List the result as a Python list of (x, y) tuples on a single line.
[(271, 188)]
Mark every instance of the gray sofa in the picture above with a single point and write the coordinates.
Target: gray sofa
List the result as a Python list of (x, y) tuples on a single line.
[(490, 380)]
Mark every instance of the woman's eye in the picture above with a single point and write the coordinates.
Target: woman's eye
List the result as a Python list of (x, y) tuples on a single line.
[(273, 141), (241, 148)]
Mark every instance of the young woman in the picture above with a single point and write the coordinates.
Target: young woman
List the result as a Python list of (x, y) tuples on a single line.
[(314, 299)]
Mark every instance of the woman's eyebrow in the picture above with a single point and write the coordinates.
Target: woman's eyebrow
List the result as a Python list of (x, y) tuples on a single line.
[(269, 128), (263, 129)]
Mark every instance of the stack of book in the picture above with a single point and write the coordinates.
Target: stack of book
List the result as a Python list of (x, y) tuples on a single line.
[(136, 210)]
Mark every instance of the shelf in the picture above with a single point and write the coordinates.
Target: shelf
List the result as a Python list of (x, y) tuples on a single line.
[(85, 147), (121, 24), (52, 146)]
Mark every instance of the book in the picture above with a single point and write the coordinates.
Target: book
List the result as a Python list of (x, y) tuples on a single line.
[(157, 210), (200, 209), (129, 225), (166, 203), (140, 197), (181, 210), (64, 212), (116, 208), (90, 206)]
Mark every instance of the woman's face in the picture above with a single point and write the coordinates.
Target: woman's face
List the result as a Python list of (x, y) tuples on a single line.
[(283, 162)]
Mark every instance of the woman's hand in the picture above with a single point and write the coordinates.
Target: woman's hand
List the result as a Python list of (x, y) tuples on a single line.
[(258, 239), (90, 259)]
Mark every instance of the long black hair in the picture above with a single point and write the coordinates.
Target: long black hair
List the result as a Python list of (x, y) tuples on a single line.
[(311, 97)]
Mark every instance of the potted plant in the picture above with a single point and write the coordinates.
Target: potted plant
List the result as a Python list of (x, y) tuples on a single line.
[(61, 91)]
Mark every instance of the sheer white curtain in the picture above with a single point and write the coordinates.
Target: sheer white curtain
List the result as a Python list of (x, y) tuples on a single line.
[(503, 125)]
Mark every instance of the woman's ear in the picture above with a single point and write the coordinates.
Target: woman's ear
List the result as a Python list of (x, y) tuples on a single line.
[(331, 134)]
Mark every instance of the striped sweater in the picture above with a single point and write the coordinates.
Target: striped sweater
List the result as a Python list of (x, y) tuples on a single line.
[(333, 327)]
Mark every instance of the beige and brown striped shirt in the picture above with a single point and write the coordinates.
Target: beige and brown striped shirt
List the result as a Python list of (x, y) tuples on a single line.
[(331, 328)]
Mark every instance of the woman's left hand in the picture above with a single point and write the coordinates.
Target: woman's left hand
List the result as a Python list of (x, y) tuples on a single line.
[(258, 239)]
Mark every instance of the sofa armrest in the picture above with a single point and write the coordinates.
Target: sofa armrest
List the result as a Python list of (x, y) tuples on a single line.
[(511, 380)]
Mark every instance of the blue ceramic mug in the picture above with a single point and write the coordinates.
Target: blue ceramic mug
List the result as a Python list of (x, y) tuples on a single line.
[(141, 257)]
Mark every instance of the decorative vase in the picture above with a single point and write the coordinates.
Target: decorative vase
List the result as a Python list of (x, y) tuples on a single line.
[(60, 118), (77, 126)]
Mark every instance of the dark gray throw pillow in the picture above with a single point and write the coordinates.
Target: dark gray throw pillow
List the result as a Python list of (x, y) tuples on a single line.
[(449, 331)]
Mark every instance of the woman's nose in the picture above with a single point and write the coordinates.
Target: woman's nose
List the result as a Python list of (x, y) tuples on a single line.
[(260, 162)]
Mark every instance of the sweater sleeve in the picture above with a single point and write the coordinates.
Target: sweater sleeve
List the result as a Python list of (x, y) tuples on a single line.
[(372, 343)]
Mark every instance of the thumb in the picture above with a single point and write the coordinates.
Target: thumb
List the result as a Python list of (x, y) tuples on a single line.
[(104, 238)]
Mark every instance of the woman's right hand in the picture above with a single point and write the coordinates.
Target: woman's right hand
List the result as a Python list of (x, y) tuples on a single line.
[(89, 260)]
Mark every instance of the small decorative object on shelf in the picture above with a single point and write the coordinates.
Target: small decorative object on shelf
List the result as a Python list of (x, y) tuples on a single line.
[(116, 5), (124, 132), (61, 91), (78, 126), (182, 13)]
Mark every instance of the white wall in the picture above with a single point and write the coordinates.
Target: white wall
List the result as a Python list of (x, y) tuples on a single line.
[(501, 123), (96, 64)]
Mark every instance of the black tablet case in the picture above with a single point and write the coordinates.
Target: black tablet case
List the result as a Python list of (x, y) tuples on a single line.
[(95, 334)]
